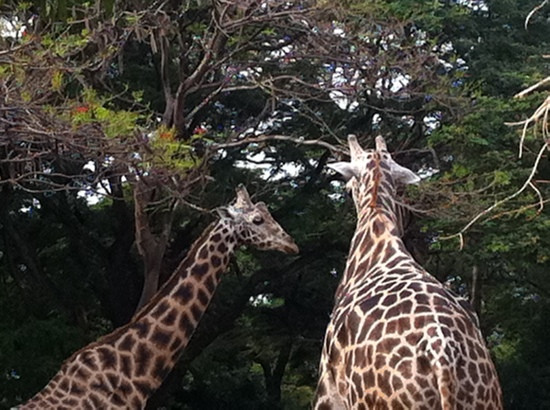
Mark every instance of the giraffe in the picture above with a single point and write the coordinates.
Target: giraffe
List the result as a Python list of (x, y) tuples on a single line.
[(397, 339), (123, 368)]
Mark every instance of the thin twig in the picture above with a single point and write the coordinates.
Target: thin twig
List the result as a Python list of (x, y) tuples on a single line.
[(502, 201), (263, 138), (532, 12)]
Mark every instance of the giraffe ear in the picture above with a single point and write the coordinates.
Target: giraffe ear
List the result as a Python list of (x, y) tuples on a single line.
[(403, 175), (223, 212), (380, 143), (355, 149), (347, 169), (243, 199)]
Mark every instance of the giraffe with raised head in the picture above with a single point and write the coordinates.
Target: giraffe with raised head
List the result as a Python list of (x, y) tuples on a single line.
[(397, 338), (123, 368)]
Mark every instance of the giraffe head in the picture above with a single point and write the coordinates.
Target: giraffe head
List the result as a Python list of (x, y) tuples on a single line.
[(367, 168), (254, 225)]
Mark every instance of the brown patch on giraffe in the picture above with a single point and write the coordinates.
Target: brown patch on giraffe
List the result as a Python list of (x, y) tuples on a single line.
[(402, 308), (117, 400), (396, 383), (82, 373), (391, 327), (210, 284), (113, 379), (423, 366), (107, 358), (457, 336), (388, 344), (389, 300), (369, 378), (216, 261), (143, 359), (184, 293), (76, 390), (203, 297), (88, 360), (377, 251), (143, 388), (160, 369), (160, 309), (422, 299), (203, 253), (379, 361), (126, 364), (222, 248), (170, 318), (383, 382), (199, 270), (185, 325), (378, 227), (368, 304), (176, 344), (127, 343), (161, 338), (342, 337), (321, 389), (196, 311), (142, 328), (356, 382), (376, 331), (420, 322), (422, 309), (405, 368), (137, 403), (216, 237), (396, 405), (71, 402), (360, 360), (403, 325)]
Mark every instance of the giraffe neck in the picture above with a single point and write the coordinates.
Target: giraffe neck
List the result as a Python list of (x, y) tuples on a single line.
[(126, 366), (169, 320), (377, 237), (374, 244)]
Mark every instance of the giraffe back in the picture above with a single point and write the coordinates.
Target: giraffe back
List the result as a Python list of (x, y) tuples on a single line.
[(397, 338)]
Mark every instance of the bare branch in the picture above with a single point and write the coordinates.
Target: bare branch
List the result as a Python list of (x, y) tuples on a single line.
[(263, 138), (532, 12), (499, 203)]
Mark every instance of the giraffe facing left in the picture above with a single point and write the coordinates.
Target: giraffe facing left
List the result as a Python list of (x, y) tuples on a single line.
[(123, 368)]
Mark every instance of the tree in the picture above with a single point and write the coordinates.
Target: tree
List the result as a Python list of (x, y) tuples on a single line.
[(163, 108)]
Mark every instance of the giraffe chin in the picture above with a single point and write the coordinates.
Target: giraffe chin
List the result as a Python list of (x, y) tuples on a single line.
[(292, 249)]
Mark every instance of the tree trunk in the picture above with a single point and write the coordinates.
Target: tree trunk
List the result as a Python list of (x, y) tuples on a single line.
[(475, 299), (274, 377), (151, 246)]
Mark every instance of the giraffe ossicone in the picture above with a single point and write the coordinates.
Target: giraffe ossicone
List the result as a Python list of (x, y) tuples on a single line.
[(123, 368), (397, 338)]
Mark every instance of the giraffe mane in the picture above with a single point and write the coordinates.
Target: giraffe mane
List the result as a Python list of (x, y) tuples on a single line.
[(376, 180)]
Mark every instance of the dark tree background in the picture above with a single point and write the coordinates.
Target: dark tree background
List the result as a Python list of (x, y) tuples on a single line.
[(122, 123)]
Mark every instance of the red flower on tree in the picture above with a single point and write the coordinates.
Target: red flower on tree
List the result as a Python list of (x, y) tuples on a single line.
[(82, 109)]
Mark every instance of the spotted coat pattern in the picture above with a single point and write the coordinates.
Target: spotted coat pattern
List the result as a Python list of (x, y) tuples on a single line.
[(122, 369), (397, 338)]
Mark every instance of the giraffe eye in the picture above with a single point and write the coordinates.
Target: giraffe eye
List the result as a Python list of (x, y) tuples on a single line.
[(257, 220)]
